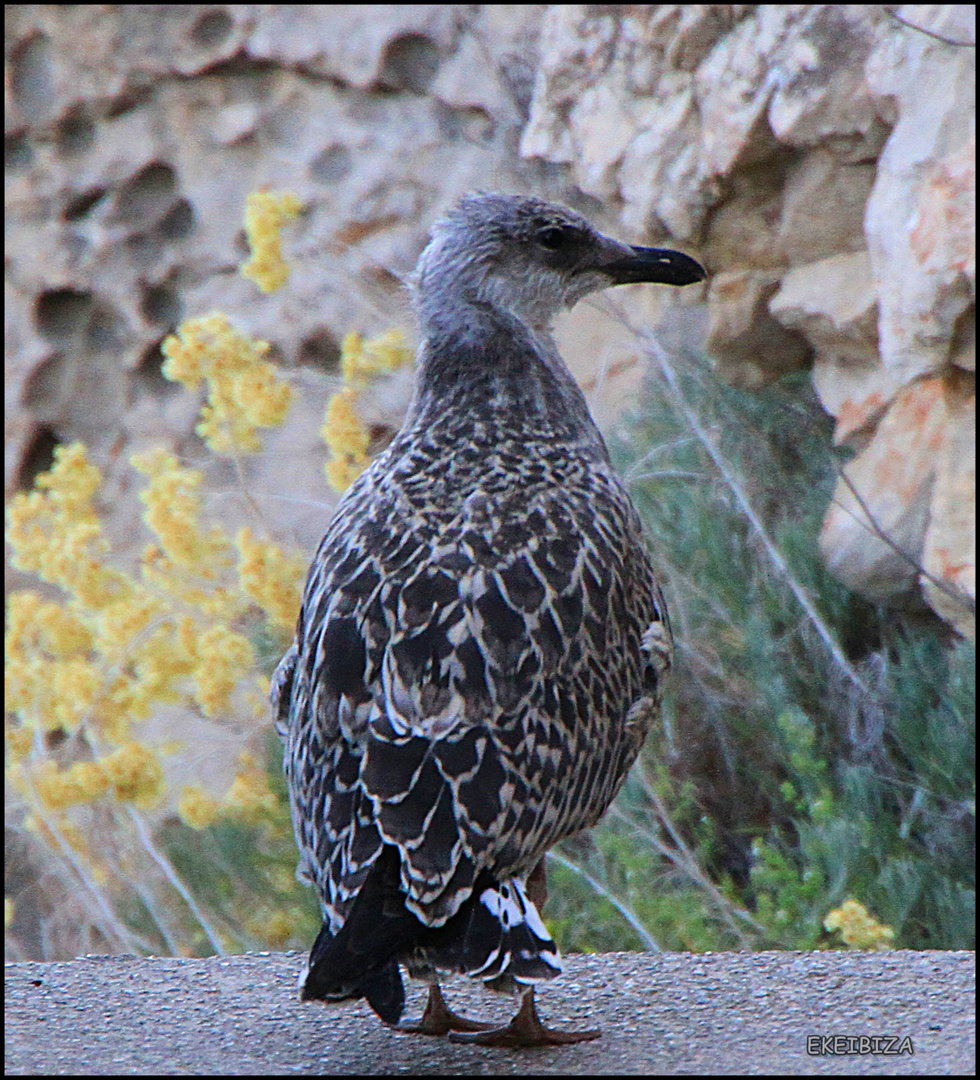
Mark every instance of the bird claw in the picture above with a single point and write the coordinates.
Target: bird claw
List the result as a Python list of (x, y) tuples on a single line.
[(439, 1019), (510, 1037), (525, 1030)]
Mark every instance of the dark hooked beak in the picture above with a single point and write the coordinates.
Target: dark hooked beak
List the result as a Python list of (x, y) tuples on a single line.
[(660, 265)]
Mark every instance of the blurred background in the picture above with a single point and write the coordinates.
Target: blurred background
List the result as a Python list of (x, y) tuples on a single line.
[(799, 434)]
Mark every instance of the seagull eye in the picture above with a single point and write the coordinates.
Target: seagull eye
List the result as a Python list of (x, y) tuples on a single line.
[(554, 238)]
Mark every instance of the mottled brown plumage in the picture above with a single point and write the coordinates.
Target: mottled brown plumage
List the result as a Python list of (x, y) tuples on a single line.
[(482, 638)]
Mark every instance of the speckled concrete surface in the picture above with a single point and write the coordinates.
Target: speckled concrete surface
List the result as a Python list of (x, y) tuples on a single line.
[(668, 1013)]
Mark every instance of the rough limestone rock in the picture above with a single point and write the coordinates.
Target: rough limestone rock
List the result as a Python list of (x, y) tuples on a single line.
[(831, 196), (819, 159)]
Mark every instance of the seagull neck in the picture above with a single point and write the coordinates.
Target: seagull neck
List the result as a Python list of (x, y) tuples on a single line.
[(488, 364)]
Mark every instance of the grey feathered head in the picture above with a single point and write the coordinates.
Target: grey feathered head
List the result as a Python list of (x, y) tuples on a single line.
[(530, 258)]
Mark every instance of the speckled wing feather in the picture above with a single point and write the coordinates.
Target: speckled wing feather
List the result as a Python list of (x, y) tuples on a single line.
[(478, 654)]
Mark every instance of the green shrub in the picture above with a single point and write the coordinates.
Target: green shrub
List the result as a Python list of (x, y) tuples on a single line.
[(811, 751)]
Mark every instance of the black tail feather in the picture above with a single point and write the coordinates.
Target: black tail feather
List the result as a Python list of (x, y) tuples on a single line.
[(497, 935), (385, 992), (361, 960)]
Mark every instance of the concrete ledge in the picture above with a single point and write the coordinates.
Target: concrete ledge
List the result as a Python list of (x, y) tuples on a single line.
[(666, 1013)]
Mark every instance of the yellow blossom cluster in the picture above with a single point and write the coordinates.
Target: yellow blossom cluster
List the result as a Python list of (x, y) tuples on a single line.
[(223, 655), (347, 438), (269, 577), (84, 781), (46, 671), (265, 214), (250, 798), (345, 433), (132, 773), (197, 808), (101, 660), (173, 507), (56, 533), (244, 391), (858, 927), (361, 360)]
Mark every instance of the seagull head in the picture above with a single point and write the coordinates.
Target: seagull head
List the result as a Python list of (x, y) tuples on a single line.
[(530, 259)]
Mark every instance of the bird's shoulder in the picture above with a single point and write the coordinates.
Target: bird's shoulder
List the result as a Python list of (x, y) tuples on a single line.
[(444, 600), (415, 538)]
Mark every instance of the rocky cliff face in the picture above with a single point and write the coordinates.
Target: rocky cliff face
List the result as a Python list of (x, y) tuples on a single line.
[(818, 159)]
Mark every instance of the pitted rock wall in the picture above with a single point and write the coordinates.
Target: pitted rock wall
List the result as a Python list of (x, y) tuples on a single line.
[(818, 158)]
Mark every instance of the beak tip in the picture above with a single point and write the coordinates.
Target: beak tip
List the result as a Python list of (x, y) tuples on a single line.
[(677, 268), (658, 266)]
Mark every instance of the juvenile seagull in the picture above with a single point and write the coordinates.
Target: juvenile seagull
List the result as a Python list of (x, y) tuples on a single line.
[(482, 640)]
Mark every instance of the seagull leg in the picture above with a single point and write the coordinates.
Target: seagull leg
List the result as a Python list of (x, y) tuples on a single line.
[(439, 1019), (525, 1029), (537, 885)]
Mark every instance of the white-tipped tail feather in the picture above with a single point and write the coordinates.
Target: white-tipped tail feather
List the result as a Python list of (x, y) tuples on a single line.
[(507, 937)]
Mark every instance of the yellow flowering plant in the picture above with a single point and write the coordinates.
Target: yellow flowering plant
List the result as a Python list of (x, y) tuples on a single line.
[(93, 668), (104, 657), (265, 214), (858, 928), (345, 433)]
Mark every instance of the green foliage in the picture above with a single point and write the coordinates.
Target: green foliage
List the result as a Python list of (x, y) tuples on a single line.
[(784, 779)]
